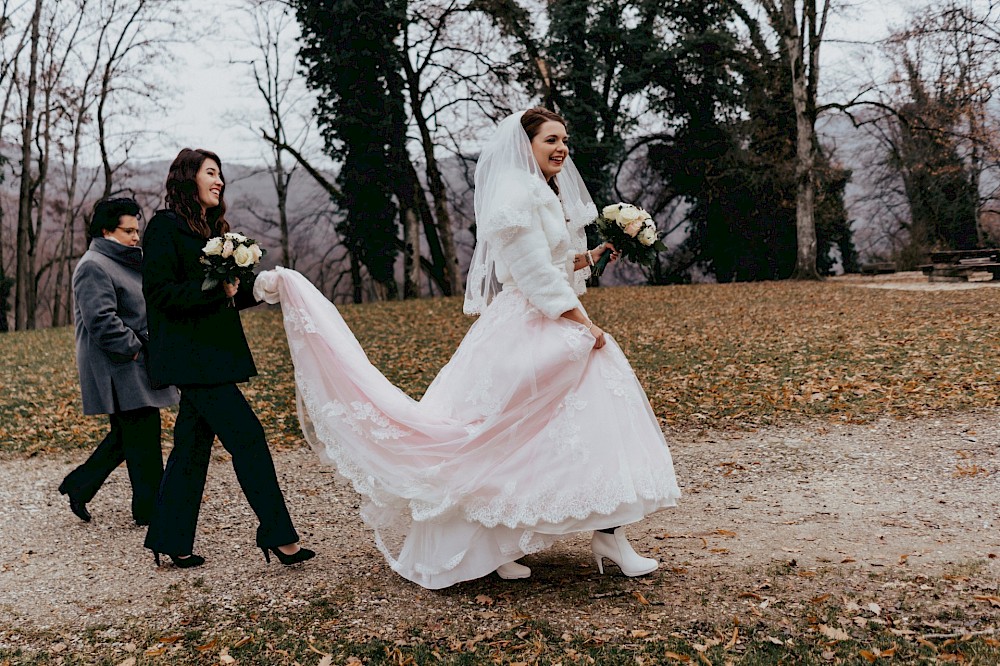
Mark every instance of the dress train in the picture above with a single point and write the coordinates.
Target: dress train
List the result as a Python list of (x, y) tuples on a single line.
[(526, 435)]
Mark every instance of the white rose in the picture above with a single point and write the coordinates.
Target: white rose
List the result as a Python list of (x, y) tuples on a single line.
[(611, 212), (256, 252), (227, 249), (243, 256), (627, 214), (213, 246), (647, 236), (239, 238), (632, 228)]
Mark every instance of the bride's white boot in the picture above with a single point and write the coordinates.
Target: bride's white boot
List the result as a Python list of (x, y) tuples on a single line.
[(616, 548), (513, 571)]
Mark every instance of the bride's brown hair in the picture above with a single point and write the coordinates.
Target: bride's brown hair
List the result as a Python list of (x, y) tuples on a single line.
[(535, 117), (182, 193)]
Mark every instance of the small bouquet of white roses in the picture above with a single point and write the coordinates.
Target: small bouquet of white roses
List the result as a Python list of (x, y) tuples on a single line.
[(228, 258), (632, 231)]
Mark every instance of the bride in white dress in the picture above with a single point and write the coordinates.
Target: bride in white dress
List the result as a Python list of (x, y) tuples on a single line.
[(535, 429)]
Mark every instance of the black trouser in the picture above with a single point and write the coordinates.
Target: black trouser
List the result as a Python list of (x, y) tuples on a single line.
[(135, 439), (207, 411)]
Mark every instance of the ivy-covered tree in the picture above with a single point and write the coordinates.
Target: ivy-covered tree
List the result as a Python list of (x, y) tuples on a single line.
[(349, 54)]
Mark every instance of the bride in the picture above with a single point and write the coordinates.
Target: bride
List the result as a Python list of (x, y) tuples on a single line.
[(535, 429)]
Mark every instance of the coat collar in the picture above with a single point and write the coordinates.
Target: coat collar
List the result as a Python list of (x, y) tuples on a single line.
[(123, 254), (177, 220)]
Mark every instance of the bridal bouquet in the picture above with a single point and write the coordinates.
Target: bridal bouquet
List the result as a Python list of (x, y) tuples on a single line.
[(228, 258), (632, 231)]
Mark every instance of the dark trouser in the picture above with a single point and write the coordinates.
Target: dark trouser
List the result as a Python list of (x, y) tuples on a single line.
[(207, 411), (135, 439)]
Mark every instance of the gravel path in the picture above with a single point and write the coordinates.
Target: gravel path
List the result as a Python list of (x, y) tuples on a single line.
[(903, 499)]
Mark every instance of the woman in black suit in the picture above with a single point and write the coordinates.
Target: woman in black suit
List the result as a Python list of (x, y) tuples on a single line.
[(196, 342)]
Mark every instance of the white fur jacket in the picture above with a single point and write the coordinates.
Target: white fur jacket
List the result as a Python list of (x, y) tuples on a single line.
[(535, 243)]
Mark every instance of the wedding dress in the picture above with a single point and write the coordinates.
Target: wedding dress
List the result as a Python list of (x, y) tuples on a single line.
[(526, 435)]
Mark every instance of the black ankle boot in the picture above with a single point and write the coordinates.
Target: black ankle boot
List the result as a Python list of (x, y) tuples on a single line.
[(78, 507)]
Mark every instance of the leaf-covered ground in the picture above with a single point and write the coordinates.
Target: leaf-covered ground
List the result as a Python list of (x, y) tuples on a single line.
[(835, 446), (717, 356)]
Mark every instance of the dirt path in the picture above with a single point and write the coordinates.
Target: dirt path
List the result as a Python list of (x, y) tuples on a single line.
[(863, 511)]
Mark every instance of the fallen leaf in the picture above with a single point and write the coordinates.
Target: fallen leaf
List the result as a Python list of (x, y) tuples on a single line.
[(155, 652), (994, 600), (638, 595), (834, 633), (207, 646), (170, 639)]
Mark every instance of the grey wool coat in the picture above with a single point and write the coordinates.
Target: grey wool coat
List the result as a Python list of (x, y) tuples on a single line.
[(111, 329)]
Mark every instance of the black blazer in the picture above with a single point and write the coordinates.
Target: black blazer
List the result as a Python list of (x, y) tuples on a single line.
[(195, 338)]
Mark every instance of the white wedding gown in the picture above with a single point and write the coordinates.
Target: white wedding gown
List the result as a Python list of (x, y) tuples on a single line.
[(527, 434)]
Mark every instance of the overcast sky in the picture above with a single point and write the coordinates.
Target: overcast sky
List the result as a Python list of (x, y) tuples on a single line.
[(214, 102)]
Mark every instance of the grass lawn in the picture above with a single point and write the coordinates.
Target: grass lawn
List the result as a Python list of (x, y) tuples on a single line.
[(718, 356)]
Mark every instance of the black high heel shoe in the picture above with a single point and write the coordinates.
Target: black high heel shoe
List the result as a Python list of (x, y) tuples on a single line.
[(301, 555), (181, 562)]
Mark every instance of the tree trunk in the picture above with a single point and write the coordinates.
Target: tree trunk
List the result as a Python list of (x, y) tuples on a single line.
[(25, 273), (438, 273), (281, 189), (357, 287), (803, 95), (411, 252), (434, 181)]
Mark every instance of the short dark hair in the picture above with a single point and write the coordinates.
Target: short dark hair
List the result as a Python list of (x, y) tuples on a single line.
[(108, 213)]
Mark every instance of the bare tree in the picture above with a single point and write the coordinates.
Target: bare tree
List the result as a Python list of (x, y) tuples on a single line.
[(9, 58), (273, 34), (936, 129), (23, 303)]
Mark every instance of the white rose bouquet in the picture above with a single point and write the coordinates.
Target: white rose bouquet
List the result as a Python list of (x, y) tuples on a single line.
[(633, 233), (228, 258)]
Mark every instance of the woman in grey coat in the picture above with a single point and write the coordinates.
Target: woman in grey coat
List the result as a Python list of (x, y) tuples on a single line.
[(110, 337)]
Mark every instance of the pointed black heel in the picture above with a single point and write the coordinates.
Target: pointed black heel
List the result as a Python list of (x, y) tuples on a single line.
[(301, 555), (181, 562)]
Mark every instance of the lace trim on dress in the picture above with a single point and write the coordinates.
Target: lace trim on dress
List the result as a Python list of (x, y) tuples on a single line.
[(557, 503), (554, 503)]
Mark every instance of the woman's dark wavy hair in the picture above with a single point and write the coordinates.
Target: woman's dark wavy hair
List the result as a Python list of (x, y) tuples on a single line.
[(532, 120), (182, 193)]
